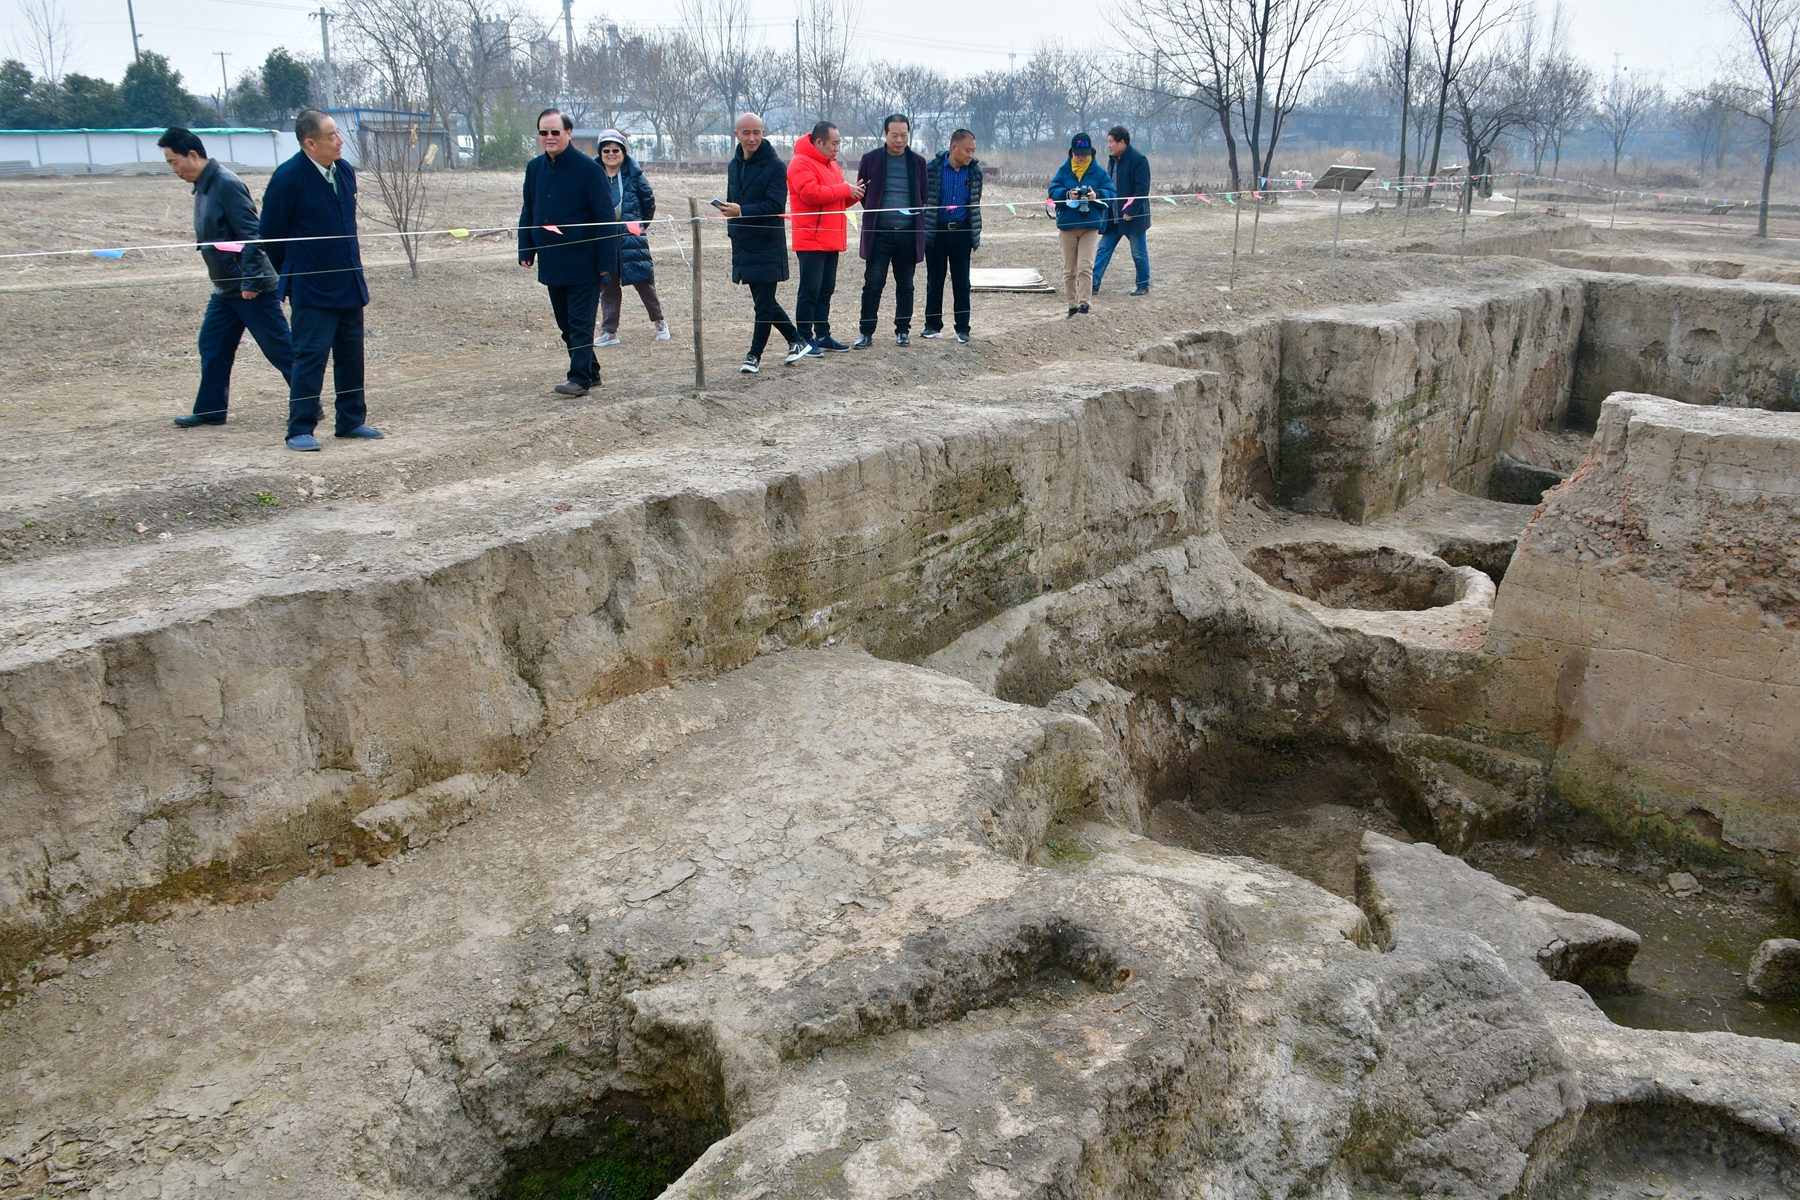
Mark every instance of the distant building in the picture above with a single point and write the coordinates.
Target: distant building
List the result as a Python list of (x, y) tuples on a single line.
[(112, 151)]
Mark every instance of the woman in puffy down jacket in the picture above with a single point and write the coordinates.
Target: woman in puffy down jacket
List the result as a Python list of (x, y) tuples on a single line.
[(817, 198), (635, 202)]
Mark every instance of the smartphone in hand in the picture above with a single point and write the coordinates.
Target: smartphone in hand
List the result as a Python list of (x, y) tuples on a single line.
[(716, 203)]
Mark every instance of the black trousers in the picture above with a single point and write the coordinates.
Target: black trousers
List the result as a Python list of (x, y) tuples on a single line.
[(818, 282), (220, 332), (948, 250), (575, 305), (769, 315), (896, 249), (318, 333)]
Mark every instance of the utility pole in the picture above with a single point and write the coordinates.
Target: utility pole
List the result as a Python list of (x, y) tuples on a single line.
[(137, 53), (569, 40), (799, 76), (329, 82), (224, 81)]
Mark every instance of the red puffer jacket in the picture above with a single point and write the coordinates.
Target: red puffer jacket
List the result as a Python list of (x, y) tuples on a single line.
[(817, 197)]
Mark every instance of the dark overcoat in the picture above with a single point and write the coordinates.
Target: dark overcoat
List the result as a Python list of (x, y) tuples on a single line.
[(758, 186), (570, 193), (309, 235)]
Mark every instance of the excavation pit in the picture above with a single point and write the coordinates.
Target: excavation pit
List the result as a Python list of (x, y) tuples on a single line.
[(827, 770), (1379, 580)]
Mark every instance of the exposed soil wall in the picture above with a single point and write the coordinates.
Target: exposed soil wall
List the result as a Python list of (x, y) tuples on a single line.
[(1355, 412), (1699, 341), (1647, 637)]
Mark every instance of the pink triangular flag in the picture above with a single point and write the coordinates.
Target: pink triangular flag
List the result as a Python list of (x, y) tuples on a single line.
[(552, 229), (229, 247), (636, 227)]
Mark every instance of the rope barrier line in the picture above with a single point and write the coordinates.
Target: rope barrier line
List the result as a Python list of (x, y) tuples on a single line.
[(1405, 183)]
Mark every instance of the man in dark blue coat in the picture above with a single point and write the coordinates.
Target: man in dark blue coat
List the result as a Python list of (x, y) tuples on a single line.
[(567, 227), (1130, 215), (893, 232), (225, 229), (309, 232), (754, 208)]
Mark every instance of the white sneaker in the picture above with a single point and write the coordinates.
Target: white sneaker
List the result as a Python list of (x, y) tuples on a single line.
[(662, 331), (752, 364), (605, 340), (796, 352)]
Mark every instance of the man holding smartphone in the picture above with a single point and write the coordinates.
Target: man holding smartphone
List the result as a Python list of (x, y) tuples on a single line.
[(893, 232), (567, 227), (754, 208)]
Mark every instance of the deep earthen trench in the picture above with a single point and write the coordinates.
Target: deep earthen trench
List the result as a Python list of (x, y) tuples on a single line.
[(1022, 556)]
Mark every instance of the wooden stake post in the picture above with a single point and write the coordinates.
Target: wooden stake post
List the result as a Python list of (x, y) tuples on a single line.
[(699, 328)]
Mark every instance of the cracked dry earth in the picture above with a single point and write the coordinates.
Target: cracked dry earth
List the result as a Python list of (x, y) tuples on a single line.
[(811, 800)]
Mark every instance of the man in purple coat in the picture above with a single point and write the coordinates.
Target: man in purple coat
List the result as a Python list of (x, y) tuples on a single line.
[(893, 232)]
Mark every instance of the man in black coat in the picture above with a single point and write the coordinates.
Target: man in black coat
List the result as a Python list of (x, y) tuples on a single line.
[(244, 283), (755, 201), (893, 233), (567, 227), (953, 231), (309, 232), (1129, 217)]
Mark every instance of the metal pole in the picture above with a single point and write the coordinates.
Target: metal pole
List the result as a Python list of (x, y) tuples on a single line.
[(569, 41), (1237, 223), (1615, 212), (137, 55), (1255, 223), (224, 81), (699, 340), (329, 82), (1337, 226), (1406, 212)]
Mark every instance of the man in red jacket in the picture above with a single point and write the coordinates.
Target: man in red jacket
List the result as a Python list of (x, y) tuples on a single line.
[(817, 198)]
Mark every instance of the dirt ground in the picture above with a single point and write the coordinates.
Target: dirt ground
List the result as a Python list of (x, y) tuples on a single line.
[(98, 354)]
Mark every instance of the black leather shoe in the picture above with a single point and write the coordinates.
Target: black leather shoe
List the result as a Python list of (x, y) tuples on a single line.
[(902, 339), (1143, 291), (1083, 308), (862, 343), (189, 421)]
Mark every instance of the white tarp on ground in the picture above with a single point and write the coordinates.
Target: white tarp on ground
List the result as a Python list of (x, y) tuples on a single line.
[(1007, 279), (263, 148)]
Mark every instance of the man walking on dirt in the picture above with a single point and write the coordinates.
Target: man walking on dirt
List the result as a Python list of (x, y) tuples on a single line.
[(244, 283), (1130, 215), (309, 232), (566, 227)]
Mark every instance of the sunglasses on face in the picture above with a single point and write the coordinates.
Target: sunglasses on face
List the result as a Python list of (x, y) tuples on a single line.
[(611, 150), (550, 133)]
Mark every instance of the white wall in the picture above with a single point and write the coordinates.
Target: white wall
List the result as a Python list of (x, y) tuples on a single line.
[(264, 148)]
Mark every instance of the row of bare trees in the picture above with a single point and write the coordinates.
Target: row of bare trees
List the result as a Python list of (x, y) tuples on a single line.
[(1462, 75)]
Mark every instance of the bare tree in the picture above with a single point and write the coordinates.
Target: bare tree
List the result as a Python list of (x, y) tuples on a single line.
[(720, 30), (1622, 111), (1404, 34), (1459, 29), (1197, 43), (482, 40), (48, 40), (1285, 42), (828, 30), (1711, 122), (1491, 98), (1768, 69), (663, 76)]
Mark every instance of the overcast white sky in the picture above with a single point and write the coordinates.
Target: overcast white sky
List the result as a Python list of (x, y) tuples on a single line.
[(1678, 39)]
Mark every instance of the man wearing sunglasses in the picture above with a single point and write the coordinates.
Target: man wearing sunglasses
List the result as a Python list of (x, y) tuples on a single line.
[(567, 227)]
